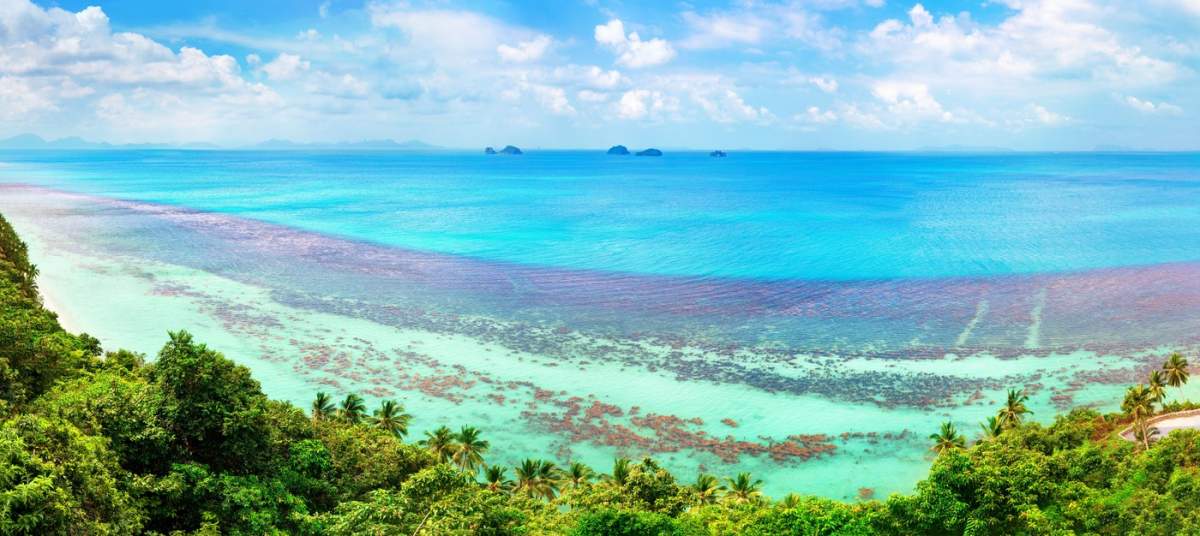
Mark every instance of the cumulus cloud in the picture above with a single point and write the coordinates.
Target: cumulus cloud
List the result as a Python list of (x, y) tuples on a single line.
[(18, 99), (525, 51), (1046, 117), (587, 95), (1150, 107), (815, 115), (1058, 38), (285, 67), (723, 29), (727, 106), (910, 101), (828, 85), (758, 23), (644, 103), (630, 49)]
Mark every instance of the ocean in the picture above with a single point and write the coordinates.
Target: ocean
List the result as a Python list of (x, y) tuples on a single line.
[(809, 317)]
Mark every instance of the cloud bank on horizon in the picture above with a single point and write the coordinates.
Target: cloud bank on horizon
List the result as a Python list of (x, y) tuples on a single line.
[(799, 74)]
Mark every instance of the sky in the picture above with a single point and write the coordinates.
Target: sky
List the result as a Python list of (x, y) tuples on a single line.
[(800, 74)]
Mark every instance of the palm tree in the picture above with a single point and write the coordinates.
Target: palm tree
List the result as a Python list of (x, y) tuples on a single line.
[(440, 443), (391, 417), (1139, 404), (578, 474), (352, 409), (322, 407), (537, 478), (495, 479), (1157, 386), (791, 500), (947, 439), (992, 428), (707, 488), (743, 488), (1176, 368), (1014, 409), (620, 471), (469, 454)]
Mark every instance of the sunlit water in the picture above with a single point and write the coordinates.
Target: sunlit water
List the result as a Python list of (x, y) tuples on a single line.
[(808, 317)]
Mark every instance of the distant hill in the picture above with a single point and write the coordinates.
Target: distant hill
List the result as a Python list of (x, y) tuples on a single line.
[(963, 149), (364, 145), (34, 142)]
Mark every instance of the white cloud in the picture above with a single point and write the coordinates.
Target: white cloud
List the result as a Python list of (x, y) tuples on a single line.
[(346, 85), (910, 102), (285, 67), (1057, 39), (553, 99), (828, 85), (643, 103), (1150, 107), (587, 95), (1046, 117), (630, 49), (862, 119), (18, 99), (755, 24), (727, 106), (447, 35), (723, 29), (815, 115), (525, 51)]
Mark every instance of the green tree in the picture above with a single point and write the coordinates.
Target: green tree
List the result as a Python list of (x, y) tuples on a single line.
[(56, 480), (391, 417), (469, 449), (1176, 369), (620, 471), (743, 489), (1157, 384), (322, 407), (1014, 409), (352, 409), (708, 489), (214, 407), (626, 523), (441, 443), (1139, 404), (123, 408), (947, 439), (992, 428), (577, 475), (495, 478), (537, 478)]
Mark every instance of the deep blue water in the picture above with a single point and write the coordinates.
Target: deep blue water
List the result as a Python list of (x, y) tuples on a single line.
[(833, 216)]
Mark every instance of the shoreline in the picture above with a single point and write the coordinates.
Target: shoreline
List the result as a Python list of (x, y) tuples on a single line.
[(50, 303)]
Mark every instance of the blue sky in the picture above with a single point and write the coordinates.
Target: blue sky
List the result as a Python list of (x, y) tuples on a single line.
[(803, 74)]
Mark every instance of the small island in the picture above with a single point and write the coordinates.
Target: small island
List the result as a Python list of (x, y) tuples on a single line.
[(489, 150), (618, 150), (510, 149), (718, 154), (650, 152)]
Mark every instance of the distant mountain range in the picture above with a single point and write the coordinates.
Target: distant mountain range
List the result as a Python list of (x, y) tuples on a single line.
[(33, 142), (373, 145)]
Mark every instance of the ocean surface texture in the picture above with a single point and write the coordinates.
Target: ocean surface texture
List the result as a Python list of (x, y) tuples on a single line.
[(809, 317)]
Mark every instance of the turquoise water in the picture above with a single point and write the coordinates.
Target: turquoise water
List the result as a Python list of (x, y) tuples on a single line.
[(838, 216), (810, 317)]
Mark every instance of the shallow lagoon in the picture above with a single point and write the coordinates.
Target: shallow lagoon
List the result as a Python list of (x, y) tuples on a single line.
[(816, 385)]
